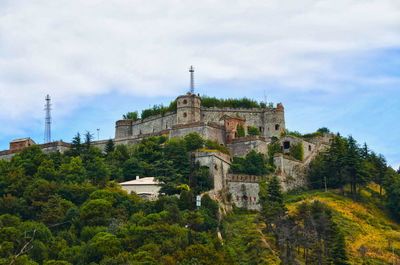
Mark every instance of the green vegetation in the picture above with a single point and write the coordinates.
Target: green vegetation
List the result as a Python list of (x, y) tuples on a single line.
[(253, 164), (240, 131), (155, 110), (67, 209), (253, 131), (131, 116), (297, 151), (245, 103), (319, 132)]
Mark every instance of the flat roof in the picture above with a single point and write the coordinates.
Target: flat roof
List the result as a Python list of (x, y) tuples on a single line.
[(141, 181)]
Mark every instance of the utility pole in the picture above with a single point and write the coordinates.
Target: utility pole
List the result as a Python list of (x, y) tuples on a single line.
[(98, 134), (326, 190), (47, 129)]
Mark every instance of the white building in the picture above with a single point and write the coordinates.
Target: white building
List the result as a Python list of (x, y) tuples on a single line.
[(146, 188)]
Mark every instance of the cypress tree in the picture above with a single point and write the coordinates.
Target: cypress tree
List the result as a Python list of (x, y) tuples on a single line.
[(109, 147)]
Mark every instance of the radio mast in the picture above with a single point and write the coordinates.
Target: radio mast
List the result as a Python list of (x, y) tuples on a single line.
[(191, 70), (47, 129)]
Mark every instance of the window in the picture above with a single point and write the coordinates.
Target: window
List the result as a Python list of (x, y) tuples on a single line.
[(309, 148), (286, 145), (276, 127), (185, 102), (261, 129), (184, 115)]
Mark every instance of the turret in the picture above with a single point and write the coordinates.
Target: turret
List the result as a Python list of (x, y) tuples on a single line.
[(188, 108)]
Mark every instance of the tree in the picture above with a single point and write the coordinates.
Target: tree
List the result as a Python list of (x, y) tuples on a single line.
[(97, 171), (132, 169), (253, 131), (88, 140), (193, 141), (46, 170), (96, 212), (240, 131), (338, 251), (109, 147), (131, 116), (271, 201), (76, 146)]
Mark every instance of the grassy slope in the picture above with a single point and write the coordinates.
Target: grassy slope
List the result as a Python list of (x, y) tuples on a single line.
[(366, 222)]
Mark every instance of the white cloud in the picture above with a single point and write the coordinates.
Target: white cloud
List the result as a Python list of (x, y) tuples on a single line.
[(73, 49)]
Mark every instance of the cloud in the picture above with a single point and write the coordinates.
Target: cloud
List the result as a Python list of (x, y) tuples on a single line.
[(75, 49)]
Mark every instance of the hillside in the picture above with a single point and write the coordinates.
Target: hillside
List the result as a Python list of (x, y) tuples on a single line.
[(369, 229), (371, 235)]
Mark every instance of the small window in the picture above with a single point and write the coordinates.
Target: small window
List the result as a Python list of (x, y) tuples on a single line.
[(276, 127), (185, 102), (184, 115), (309, 148), (286, 145), (215, 167)]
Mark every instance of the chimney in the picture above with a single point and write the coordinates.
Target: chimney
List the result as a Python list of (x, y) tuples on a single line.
[(137, 177)]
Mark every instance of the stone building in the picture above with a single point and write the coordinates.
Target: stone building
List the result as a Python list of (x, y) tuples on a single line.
[(217, 124)]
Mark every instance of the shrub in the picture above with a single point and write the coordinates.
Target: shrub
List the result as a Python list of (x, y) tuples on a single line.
[(297, 151), (240, 131), (253, 131)]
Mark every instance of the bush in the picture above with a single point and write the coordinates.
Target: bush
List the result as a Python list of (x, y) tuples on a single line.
[(240, 131), (297, 151), (253, 131)]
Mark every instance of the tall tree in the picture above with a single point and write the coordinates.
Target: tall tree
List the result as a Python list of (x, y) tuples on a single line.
[(109, 147)]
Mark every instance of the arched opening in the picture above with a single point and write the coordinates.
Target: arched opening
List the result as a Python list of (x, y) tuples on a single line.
[(276, 127)]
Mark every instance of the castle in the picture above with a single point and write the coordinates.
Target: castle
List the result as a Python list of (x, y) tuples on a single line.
[(217, 124), (220, 125)]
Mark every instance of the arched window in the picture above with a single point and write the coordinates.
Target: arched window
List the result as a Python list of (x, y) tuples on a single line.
[(185, 101), (184, 115), (276, 127)]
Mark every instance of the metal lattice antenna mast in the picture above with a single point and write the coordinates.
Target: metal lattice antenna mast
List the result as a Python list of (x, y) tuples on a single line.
[(47, 130), (191, 70)]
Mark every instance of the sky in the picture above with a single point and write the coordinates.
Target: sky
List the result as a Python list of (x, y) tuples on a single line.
[(332, 64)]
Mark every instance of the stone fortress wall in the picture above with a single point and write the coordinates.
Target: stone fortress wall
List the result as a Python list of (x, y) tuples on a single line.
[(190, 114)]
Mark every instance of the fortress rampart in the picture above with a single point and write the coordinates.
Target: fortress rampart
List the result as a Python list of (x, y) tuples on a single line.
[(191, 117)]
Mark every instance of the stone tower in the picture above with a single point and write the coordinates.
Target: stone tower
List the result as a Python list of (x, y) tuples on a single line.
[(188, 108)]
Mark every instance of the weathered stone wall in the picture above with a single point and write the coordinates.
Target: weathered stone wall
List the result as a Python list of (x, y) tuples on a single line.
[(6, 155), (46, 148), (241, 146), (209, 130), (153, 124), (292, 172), (218, 164), (271, 121), (244, 190), (308, 146), (266, 119)]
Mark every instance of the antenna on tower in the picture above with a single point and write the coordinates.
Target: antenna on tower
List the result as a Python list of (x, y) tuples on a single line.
[(191, 70), (47, 130)]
